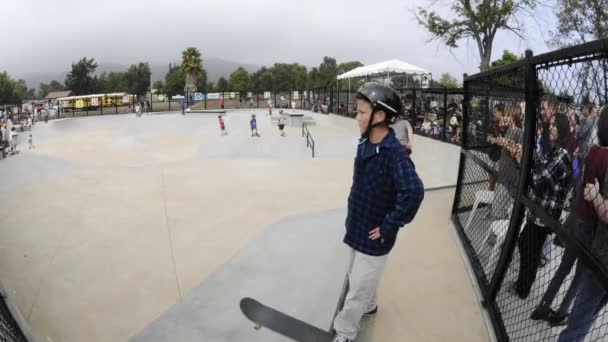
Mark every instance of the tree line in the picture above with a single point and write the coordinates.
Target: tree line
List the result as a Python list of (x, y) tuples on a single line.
[(577, 22)]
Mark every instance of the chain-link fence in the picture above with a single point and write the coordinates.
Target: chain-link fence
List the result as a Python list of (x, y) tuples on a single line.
[(528, 209), (9, 329), (433, 112)]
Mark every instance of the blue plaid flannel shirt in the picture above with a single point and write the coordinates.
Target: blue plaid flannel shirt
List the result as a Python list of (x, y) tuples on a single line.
[(386, 193)]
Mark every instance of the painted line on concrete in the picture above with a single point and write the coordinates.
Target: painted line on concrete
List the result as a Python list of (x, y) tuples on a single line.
[(164, 195)]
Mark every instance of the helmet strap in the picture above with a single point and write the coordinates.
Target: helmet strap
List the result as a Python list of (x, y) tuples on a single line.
[(371, 125)]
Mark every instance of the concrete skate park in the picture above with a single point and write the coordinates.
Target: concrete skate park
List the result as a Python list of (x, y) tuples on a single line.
[(119, 228)]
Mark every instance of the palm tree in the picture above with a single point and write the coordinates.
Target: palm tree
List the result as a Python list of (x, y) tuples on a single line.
[(192, 66)]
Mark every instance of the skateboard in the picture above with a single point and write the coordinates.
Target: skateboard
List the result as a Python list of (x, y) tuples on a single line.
[(281, 323)]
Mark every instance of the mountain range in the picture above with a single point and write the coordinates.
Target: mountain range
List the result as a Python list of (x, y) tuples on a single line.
[(215, 67)]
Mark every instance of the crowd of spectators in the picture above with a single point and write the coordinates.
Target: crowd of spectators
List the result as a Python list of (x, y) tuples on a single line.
[(569, 182)]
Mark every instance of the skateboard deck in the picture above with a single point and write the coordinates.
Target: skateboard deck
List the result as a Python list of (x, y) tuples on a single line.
[(281, 323)]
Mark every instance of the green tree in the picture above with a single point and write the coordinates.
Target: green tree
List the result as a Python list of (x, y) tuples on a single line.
[(113, 82), (328, 71), (175, 81), (222, 84), (448, 81), (192, 66), (44, 89), (288, 76), (239, 80), (314, 78), (7, 89), (579, 21), (19, 91), (211, 87), (31, 94), (508, 57), (201, 81), (159, 86), (11, 91), (262, 80), (476, 19), (81, 80), (137, 78)]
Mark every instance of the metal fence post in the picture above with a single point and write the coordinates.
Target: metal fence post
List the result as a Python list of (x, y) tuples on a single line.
[(414, 105), (445, 113), (526, 162), (151, 103), (465, 134)]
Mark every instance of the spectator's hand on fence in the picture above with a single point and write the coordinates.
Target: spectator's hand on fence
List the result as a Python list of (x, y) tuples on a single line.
[(591, 191)]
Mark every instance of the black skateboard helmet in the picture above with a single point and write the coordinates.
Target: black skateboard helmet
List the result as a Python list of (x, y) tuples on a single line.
[(381, 97)]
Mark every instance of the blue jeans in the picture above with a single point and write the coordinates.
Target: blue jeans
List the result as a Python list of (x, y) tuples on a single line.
[(582, 231), (590, 300)]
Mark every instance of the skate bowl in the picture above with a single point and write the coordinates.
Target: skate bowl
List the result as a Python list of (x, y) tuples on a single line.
[(158, 225)]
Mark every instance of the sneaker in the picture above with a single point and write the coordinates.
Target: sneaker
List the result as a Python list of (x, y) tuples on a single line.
[(541, 313), (557, 319), (372, 312), (341, 338)]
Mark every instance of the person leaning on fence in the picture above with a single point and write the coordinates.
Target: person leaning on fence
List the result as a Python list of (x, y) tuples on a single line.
[(580, 224), (507, 169), (591, 296), (498, 131), (386, 194), (550, 182), (587, 132)]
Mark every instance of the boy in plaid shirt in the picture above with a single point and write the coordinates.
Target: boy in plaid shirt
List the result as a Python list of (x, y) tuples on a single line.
[(385, 195), (550, 182)]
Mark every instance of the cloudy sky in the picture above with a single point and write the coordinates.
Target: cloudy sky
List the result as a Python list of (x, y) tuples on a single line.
[(47, 35)]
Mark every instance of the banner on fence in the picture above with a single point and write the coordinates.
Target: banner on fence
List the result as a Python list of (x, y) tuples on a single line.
[(213, 96), (198, 96), (266, 94), (94, 101), (233, 95), (79, 103), (125, 99), (296, 95)]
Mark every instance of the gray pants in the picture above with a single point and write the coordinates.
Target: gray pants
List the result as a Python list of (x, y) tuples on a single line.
[(364, 274)]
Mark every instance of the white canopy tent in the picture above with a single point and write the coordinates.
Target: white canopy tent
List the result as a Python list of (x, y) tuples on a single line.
[(384, 69)]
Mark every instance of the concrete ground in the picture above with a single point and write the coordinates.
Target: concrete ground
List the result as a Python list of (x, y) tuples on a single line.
[(113, 224)]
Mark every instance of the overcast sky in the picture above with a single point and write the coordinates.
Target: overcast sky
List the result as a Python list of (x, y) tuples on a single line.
[(47, 35)]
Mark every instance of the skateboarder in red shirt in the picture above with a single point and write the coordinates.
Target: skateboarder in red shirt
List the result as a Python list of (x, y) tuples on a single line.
[(222, 125)]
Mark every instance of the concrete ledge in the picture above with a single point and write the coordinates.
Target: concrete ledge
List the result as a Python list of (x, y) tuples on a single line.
[(208, 111)]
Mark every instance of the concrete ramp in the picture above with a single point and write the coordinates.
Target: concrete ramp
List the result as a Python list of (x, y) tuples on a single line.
[(297, 266)]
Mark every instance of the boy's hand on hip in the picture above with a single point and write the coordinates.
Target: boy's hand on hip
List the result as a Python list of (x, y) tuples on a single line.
[(374, 234)]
